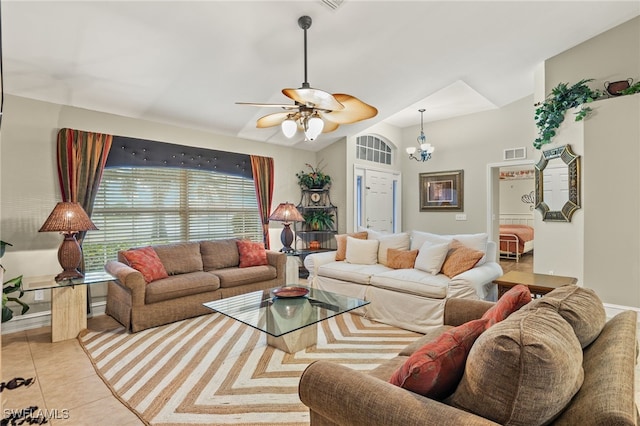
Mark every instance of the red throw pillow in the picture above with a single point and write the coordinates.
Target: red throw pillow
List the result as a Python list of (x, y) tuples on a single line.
[(435, 369), (251, 253), (146, 261), (511, 301), (460, 259)]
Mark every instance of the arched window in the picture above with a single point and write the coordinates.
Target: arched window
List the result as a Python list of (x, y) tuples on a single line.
[(372, 148)]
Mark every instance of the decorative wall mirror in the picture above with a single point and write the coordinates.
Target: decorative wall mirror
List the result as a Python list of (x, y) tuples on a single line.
[(557, 184)]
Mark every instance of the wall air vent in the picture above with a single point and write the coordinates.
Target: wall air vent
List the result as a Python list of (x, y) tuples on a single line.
[(332, 4), (515, 154)]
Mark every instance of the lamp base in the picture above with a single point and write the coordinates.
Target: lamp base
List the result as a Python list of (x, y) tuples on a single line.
[(286, 237), (69, 256)]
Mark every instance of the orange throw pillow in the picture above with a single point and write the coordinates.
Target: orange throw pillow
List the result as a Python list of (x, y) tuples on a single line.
[(401, 259), (251, 253), (146, 261), (460, 259), (435, 369), (341, 243), (511, 301)]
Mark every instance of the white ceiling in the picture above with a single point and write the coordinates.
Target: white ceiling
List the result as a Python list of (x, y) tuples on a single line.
[(187, 63)]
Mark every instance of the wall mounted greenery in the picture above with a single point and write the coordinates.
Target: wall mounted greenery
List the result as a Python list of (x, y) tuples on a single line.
[(635, 88), (550, 113)]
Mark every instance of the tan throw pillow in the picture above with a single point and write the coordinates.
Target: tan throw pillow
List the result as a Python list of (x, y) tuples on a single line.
[(180, 258), (460, 259), (400, 241), (361, 252), (341, 243), (523, 370), (580, 307), (401, 259)]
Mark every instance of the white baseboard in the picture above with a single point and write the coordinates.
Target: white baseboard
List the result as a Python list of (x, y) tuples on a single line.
[(41, 319)]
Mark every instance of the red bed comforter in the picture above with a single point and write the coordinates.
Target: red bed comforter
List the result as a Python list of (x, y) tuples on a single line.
[(523, 232)]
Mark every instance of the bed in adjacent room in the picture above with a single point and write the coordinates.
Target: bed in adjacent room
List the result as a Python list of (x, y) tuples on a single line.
[(516, 236)]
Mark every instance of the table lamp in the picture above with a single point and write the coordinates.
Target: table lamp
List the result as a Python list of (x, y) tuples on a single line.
[(68, 218), (286, 213)]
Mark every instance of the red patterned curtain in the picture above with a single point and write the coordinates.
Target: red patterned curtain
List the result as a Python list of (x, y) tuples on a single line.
[(262, 168), (81, 160)]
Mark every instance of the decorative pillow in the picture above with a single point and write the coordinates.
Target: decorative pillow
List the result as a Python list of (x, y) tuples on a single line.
[(362, 252), (180, 258), (341, 242), (146, 261), (219, 254), (511, 301), (251, 253), (474, 241), (580, 307), (460, 259), (431, 257), (401, 259), (435, 369), (400, 241), (418, 238), (523, 370)]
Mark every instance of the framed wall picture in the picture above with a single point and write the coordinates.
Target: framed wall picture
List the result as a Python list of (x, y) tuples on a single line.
[(442, 191)]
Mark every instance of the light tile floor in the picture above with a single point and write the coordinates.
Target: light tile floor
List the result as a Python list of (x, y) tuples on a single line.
[(67, 387)]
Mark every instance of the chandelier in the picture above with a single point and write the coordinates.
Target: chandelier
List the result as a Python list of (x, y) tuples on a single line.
[(426, 149)]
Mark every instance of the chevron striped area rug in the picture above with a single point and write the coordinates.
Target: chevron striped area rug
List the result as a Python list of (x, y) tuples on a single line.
[(212, 370)]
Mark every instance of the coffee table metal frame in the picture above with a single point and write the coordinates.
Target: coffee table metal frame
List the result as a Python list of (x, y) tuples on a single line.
[(290, 323)]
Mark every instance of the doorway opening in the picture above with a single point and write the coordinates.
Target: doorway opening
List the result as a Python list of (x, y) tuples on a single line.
[(377, 200)]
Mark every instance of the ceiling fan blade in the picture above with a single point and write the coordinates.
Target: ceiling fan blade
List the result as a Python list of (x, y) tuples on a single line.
[(329, 126), (354, 110), (314, 97), (271, 120), (283, 106)]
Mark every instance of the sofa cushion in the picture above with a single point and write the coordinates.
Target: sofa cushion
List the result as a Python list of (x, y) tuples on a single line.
[(233, 277), (219, 254), (580, 307), (401, 259), (412, 281), (176, 286), (436, 368), (362, 252), (350, 272), (180, 258), (523, 370), (430, 335), (511, 301), (341, 243), (431, 257), (251, 253), (418, 238), (400, 241), (460, 258), (146, 260), (475, 241)]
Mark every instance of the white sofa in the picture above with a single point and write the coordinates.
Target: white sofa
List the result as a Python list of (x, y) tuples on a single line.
[(410, 298)]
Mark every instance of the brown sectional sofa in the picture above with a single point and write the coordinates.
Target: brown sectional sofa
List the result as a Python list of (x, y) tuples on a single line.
[(515, 390), (198, 272)]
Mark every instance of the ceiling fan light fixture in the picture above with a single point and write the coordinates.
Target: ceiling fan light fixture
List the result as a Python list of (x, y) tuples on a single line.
[(426, 149), (289, 127), (313, 127)]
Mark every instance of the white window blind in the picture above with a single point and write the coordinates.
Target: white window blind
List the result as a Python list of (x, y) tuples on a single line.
[(137, 207)]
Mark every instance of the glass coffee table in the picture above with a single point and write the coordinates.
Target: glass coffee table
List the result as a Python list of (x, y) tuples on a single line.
[(288, 315)]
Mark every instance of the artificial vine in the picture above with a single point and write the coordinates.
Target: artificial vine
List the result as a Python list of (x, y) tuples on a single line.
[(550, 113)]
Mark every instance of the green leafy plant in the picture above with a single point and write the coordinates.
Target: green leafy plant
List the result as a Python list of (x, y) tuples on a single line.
[(315, 179), (634, 88), (319, 220), (8, 287), (550, 113)]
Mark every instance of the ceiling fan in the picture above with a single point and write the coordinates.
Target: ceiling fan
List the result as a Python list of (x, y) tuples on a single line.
[(315, 111)]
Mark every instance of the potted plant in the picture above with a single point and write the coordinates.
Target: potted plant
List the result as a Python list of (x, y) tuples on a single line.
[(315, 179), (8, 287), (549, 114), (319, 220), (635, 88)]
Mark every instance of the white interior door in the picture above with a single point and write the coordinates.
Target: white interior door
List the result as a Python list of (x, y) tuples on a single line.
[(379, 200)]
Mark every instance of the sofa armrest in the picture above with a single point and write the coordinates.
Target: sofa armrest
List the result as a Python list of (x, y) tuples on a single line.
[(313, 261), (480, 279), (349, 397), (130, 278), (458, 311), (279, 261)]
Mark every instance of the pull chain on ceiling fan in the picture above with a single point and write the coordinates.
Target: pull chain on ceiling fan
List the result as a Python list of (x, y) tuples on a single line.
[(315, 111)]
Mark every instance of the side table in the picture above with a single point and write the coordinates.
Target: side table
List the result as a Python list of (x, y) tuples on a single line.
[(68, 303), (539, 284)]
